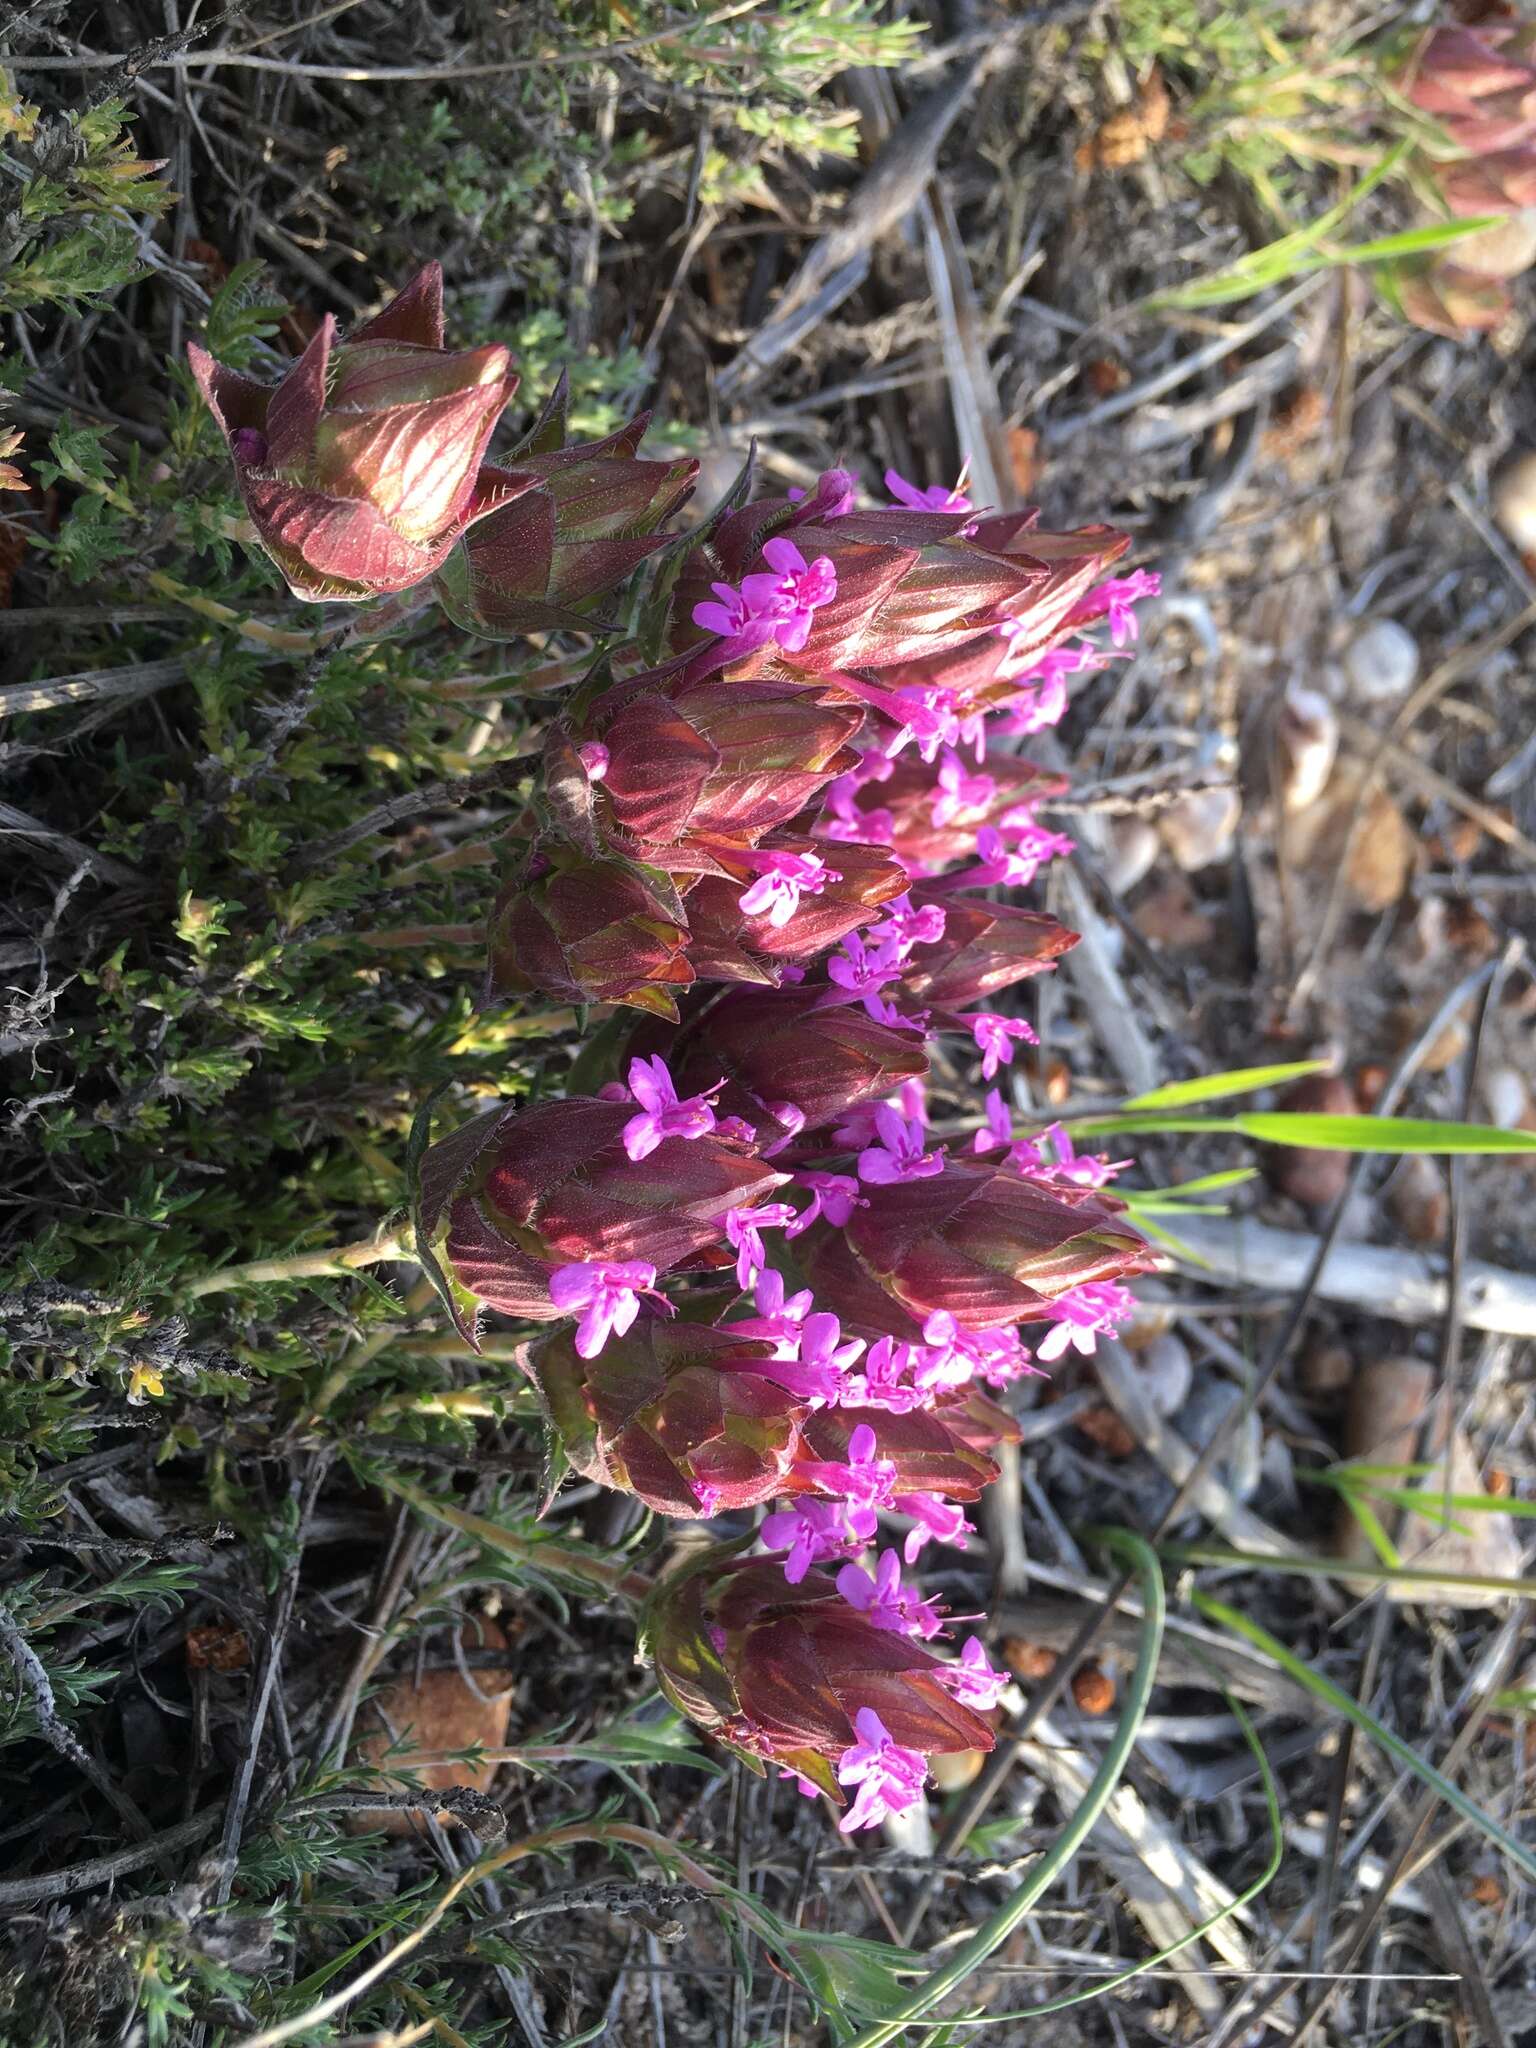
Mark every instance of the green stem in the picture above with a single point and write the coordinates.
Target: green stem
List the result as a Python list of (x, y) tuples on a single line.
[(328, 1265), (995, 1931)]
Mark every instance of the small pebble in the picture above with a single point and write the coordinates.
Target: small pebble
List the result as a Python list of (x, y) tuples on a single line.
[(1416, 1200), (1166, 1373), (1310, 1174), (1204, 1413), (1093, 1689), (1326, 1369), (1198, 829), (1381, 662), (1130, 854), (1507, 1098), (1514, 501), (1308, 732)]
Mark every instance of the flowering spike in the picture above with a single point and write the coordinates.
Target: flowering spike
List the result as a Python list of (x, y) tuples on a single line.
[(785, 1672)]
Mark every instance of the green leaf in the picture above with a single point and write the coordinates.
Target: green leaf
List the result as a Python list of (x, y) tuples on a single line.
[(1239, 1081), (1384, 1134)]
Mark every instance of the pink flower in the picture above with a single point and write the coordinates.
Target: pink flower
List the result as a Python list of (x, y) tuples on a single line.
[(957, 1356), (594, 758), (1062, 1164), (1015, 867), (994, 1038), (884, 1382), (783, 880), (802, 1784), (815, 1530), (778, 1317), (1114, 599), (861, 972), (884, 1601), (935, 498), (1035, 709), (793, 1121), (904, 927), (789, 596), (734, 619), (959, 790), (912, 1101), (934, 1518), (743, 1228), (662, 1114), (972, 1680), (1082, 1314), (928, 715), (833, 1195), (822, 1344), (998, 1129), (900, 1154), (890, 1779), (866, 1479), (610, 1294)]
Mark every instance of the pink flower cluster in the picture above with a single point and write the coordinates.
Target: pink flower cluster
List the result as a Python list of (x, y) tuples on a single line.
[(801, 806)]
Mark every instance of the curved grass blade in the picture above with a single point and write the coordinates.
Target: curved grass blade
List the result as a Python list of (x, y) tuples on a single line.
[(1213, 1087), (994, 1931), (1261, 1883), (1386, 1134)]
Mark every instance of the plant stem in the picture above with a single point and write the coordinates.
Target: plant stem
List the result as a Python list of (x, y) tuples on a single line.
[(327, 1265), (224, 615)]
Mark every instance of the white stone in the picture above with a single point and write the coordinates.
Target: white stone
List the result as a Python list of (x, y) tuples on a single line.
[(1381, 661), (1514, 501)]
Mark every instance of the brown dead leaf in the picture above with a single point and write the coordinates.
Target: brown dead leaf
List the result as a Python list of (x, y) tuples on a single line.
[(1126, 136), (437, 1712)]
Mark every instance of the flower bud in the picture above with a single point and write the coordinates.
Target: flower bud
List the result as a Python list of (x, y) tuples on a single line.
[(710, 761), (986, 1247), (676, 1413), (779, 1047), (586, 929), (362, 467), (779, 1672), (986, 947), (1057, 571), (520, 1192), (906, 586), (728, 944), (928, 1454), (583, 521)]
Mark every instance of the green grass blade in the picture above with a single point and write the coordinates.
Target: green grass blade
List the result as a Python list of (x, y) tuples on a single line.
[(1343, 1703), (995, 1930), (1167, 1239), (1384, 1134), (1213, 1087)]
